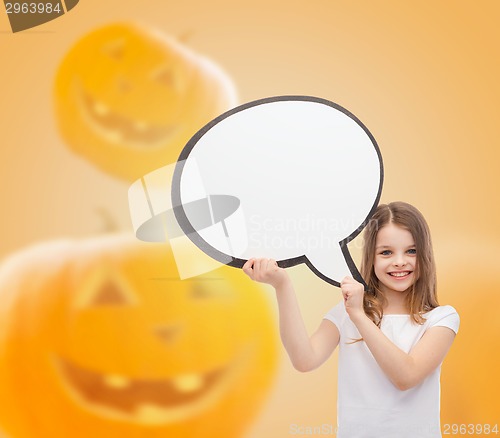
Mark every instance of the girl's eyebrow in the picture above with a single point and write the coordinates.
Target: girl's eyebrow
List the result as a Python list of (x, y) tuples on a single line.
[(388, 246)]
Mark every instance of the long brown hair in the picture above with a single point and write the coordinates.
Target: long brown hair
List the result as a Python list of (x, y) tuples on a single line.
[(421, 297)]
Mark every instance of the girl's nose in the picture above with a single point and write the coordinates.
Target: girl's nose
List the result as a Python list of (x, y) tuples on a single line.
[(399, 261)]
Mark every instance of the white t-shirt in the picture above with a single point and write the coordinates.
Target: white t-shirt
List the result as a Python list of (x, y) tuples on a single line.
[(369, 405)]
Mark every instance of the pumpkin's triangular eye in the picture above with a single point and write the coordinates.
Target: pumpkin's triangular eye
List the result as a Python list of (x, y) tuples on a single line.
[(115, 49), (166, 75), (110, 294), (105, 288)]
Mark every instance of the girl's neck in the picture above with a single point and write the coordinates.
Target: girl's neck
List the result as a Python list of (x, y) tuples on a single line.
[(396, 302)]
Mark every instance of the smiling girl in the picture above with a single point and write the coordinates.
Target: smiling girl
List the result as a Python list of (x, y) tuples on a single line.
[(392, 338)]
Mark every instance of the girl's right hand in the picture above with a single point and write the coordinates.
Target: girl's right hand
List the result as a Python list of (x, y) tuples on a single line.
[(265, 271)]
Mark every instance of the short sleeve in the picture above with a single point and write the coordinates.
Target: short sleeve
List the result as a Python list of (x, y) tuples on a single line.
[(337, 314), (445, 316)]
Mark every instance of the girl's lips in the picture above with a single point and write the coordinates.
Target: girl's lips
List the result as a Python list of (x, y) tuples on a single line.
[(399, 274)]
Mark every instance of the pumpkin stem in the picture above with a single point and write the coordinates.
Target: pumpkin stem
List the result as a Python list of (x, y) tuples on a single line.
[(185, 36), (109, 223)]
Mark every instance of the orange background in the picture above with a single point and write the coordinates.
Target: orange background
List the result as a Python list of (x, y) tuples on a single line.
[(421, 75)]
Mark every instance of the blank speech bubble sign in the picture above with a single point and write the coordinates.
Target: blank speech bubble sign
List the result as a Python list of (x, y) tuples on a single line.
[(308, 176)]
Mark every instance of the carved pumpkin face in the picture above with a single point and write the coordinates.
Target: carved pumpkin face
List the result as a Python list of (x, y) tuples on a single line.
[(128, 98), (100, 339)]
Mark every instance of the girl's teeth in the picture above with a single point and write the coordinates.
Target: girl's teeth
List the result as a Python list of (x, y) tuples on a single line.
[(399, 274)]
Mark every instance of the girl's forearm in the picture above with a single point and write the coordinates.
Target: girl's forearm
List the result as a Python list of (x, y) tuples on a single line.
[(292, 329), (395, 363)]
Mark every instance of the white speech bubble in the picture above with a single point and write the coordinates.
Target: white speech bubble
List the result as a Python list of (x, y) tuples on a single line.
[(308, 175)]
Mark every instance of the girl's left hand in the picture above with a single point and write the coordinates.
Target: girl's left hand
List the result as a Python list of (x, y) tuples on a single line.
[(353, 293)]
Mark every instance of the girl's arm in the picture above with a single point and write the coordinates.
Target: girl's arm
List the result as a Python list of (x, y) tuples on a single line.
[(405, 370), (305, 353)]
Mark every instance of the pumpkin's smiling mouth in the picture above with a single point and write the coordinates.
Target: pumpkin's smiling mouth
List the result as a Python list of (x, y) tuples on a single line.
[(121, 130), (147, 401)]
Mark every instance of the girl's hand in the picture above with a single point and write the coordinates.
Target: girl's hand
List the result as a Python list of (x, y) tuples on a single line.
[(265, 271), (353, 293)]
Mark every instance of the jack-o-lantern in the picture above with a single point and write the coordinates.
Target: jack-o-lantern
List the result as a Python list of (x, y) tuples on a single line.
[(129, 98), (99, 338)]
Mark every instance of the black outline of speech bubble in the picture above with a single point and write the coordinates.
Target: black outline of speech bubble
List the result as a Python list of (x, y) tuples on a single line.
[(186, 226)]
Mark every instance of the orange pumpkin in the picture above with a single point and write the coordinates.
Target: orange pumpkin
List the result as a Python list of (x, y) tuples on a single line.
[(99, 338), (128, 98)]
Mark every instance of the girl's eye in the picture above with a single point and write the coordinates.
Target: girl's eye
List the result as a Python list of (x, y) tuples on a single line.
[(412, 251), (386, 252)]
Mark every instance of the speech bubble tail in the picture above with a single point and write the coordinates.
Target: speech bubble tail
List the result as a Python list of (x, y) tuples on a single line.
[(334, 266), (352, 266)]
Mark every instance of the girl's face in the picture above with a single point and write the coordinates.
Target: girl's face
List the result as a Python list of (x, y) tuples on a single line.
[(395, 258)]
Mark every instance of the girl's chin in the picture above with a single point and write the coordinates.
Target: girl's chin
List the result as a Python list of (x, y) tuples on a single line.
[(398, 285)]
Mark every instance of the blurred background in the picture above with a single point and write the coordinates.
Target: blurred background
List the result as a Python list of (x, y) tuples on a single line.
[(422, 76)]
